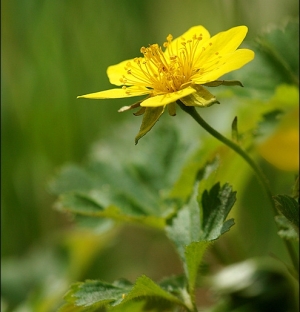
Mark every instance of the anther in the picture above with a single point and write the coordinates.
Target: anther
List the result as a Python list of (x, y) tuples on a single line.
[(170, 38)]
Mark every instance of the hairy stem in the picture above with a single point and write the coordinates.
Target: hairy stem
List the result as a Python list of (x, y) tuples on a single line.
[(259, 174)]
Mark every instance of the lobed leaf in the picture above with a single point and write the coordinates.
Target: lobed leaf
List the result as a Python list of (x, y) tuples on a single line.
[(198, 223), (129, 189), (122, 295), (216, 205)]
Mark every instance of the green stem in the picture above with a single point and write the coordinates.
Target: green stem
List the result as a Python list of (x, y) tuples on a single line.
[(259, 174), (192, 111)]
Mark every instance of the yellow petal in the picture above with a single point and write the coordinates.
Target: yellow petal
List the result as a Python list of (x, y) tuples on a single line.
[(221, 44), (117, 93), (164, 99), (229, 40), (116, 72), (231, 62), (188, 35)]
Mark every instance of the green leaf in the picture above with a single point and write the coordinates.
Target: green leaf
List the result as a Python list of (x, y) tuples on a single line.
[(85, 205), (129, 189), (201, 98), (289, 207), (145, 287), (92, 295), (216, 205), (150, 117), (194, 253), (131, 306), (282, 46), (198, 223), (234, 130), (286, 229), (268, 124)]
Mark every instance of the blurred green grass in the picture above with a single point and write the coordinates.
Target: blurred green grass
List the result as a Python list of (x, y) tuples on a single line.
[(53, 51)]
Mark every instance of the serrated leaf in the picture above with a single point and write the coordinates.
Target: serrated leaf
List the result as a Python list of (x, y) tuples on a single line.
[(199, 223), (216, 205), (289, 207), (144, 287), (86, 205), (92, 295), (129, 189), (286, 229)]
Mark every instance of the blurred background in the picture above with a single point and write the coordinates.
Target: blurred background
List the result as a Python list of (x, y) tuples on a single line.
[(53, 51)]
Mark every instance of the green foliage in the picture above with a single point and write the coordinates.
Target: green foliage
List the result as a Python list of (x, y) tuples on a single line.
[(150, 117), (276, 45), (288, 221), (192, 206), (91, 295), (85, 191), (289, 207), (174, 181), (131, 189), (217, 204), (193, 229)]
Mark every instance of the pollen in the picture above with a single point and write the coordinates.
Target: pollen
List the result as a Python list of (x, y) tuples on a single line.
[(165, 71)]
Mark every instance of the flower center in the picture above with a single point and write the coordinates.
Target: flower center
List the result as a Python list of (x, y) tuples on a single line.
[(168, 71)]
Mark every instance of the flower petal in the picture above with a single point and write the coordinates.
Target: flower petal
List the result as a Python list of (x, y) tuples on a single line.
[(188, 35), (117, 93), (230, 40), (164, 99), (118, 71), (221, 44), (231, 62)]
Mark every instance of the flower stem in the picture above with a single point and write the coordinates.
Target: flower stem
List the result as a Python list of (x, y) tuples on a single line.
[(259, 174), (192, 111)]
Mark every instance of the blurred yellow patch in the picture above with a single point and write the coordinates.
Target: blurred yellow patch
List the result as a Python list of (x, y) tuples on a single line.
[(281, 148)]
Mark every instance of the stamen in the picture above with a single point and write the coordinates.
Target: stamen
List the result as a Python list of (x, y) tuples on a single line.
[(165, 72)]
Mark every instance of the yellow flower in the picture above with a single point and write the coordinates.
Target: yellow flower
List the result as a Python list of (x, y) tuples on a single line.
[(179, 72)]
